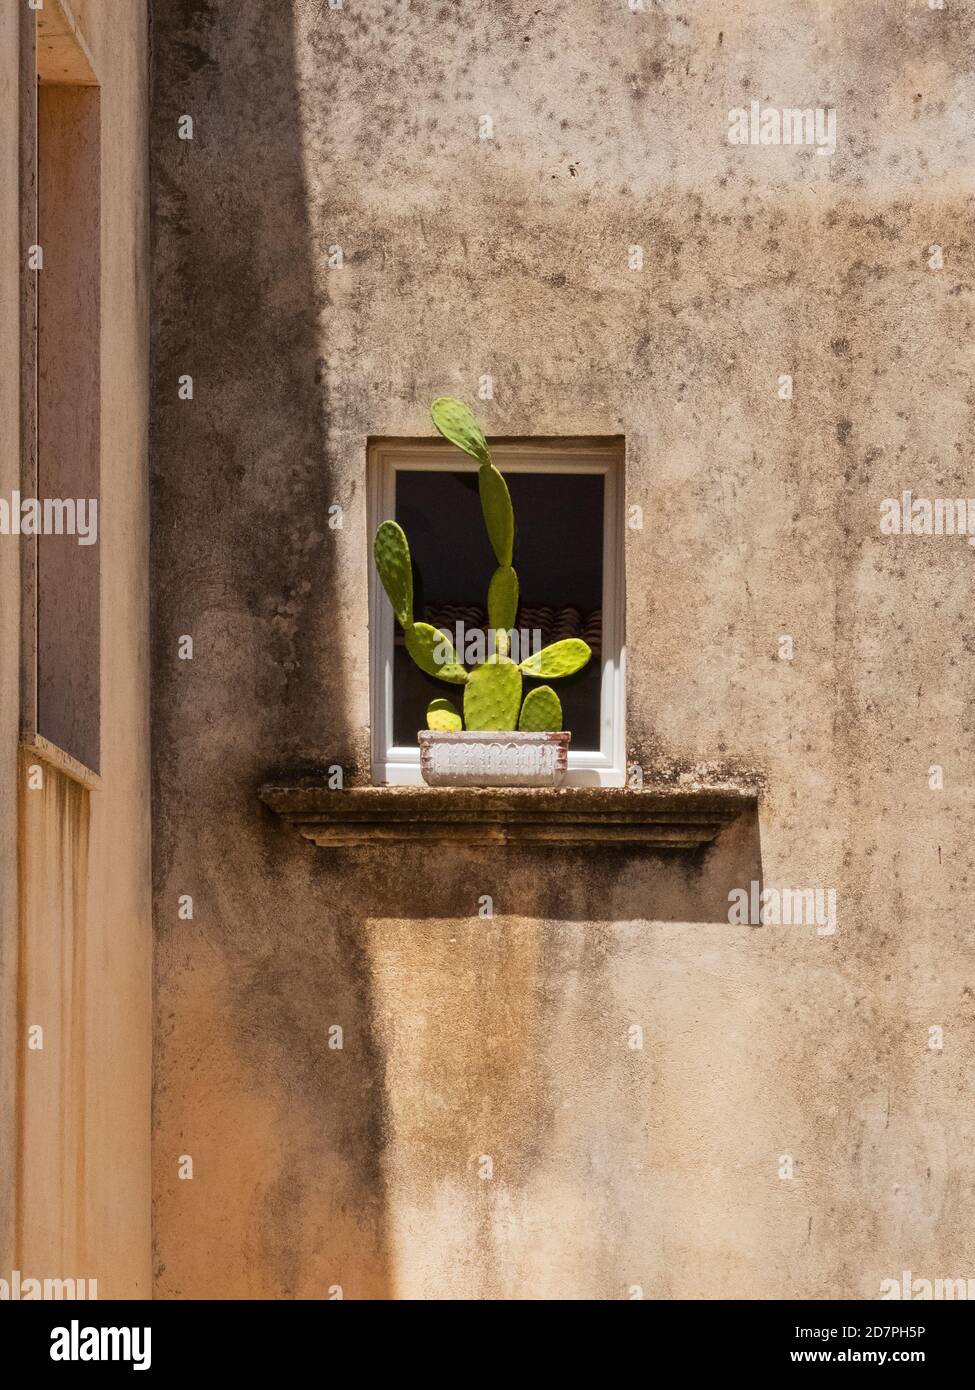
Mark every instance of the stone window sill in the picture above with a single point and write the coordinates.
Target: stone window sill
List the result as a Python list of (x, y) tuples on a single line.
[(35, 746), (677, 817)]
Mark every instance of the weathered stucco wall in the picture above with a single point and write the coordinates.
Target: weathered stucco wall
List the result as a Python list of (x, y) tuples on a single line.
[(76, 938), (613, 1168)]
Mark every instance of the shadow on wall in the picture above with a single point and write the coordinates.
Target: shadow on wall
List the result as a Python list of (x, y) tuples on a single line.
[(287, 1197), (582, 884), (507, 1035)]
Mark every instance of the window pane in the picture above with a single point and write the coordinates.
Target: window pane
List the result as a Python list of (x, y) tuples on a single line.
[(68, 423), (559, 560)]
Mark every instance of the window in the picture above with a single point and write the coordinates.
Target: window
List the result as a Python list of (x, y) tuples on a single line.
[(61, 466), (568, 499)]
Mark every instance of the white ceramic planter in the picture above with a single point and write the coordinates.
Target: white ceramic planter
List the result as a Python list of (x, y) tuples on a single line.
[(472, 759)]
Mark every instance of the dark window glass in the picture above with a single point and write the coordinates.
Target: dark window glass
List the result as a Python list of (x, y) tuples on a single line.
[(68, 417), (559, 560)]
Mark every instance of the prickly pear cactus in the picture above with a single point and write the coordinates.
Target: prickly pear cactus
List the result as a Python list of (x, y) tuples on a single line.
[(542, 712), (455, 422), (503, 598), (492, 692), (432, 652), (443, 716), (499, 518), (560, 659), (492, 696), (391, 550)]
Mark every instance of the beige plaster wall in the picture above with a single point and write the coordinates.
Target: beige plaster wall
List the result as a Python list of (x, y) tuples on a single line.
[(463, 1039)]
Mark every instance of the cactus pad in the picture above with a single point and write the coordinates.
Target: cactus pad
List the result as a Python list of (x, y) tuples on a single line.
[(456, 423), (560, 659), (492, 696), (425, 644), (503, 598), (542, 712), (498, 515), (392, 553), (442, 715)]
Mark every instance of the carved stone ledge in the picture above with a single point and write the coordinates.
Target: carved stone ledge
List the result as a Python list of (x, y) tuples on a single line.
[(671, 818)]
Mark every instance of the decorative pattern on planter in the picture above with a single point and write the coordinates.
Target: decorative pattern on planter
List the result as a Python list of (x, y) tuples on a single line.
[(472, 759)]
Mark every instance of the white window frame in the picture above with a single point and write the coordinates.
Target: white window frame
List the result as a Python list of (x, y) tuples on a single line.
[(399, 765)]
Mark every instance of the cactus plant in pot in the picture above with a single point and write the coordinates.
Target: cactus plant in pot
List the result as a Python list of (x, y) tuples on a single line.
[(501, 737)]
